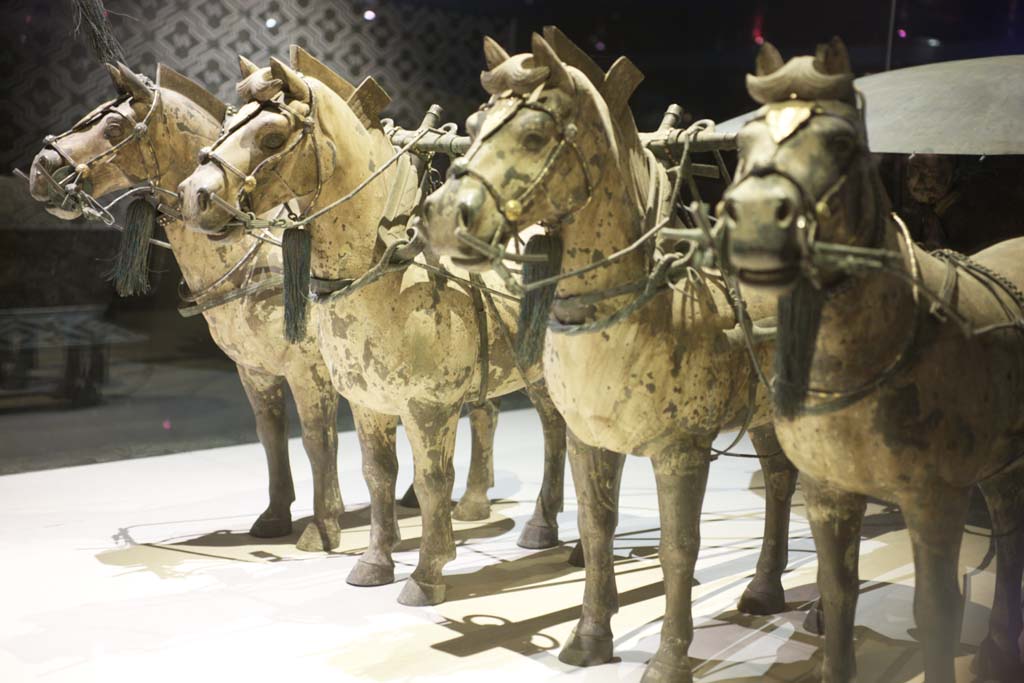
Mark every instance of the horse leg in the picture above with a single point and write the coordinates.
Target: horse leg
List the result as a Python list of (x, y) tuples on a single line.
[(835, 517), (542, 529), (597, 474), (936, 527), (681, 478), (431, 432), (266, 396), (317, 405), (380, 470), (998, 657), (765, 594), (474, 504)]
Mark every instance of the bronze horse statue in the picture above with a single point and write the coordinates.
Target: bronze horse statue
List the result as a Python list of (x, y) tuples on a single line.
[(110, 151), (410, 343), (660, 377), (899, 373)]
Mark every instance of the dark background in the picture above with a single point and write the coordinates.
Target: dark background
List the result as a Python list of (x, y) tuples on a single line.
[(85, 377)]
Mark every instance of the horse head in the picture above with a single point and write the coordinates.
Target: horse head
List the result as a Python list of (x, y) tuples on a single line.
[(541, 144), (150, 133), (805, 174)]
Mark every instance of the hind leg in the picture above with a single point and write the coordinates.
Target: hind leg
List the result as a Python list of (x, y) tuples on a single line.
[(266, 396), (380, 470), (935, 522), (474, 504), (542, 529), (765, 595), (317, 404), (999, 656), (597, 474), (836, 517)]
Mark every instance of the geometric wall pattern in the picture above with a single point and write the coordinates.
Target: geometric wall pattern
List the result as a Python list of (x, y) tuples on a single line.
[(420, 54)]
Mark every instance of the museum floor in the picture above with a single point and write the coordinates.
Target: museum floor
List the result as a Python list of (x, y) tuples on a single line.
[(143, 570)]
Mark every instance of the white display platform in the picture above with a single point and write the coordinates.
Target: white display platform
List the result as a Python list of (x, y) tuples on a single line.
[(142, 570)]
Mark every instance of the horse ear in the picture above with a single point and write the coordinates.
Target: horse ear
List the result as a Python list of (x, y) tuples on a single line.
[(116, 77), (768, 60), (247, 67), (832, 57), (134, 85), (544, 55), (494, 54), (291, 79)]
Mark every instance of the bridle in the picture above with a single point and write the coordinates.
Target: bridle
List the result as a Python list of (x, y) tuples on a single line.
[(512, 208), (243, 198), (76, 185)]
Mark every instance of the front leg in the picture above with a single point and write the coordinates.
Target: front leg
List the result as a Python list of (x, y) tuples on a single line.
[(597, 475), (431, 431), (317, 404), (266, 397), (765, 594), (835, 517), (935, 521), (380, 470), (474, 504), (542, 529), (682, 477)]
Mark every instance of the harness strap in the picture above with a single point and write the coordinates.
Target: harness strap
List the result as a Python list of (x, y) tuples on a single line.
[(275, 281), (482, 335)]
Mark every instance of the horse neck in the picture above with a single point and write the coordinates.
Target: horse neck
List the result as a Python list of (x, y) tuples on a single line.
[(612, 220), (344, 240), (861, 329)]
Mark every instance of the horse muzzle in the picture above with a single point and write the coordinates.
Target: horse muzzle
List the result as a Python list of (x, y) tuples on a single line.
[(43, 186), (199, 209), (459, 207), (760, 215)]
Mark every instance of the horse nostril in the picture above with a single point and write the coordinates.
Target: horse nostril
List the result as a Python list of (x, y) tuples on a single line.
[(783, 212), (465, 214), (203, 195)]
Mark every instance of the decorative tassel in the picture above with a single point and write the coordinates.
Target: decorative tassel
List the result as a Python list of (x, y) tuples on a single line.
[(296, 248), (130, 273), (536, 305), (92, 16), (799, 318)]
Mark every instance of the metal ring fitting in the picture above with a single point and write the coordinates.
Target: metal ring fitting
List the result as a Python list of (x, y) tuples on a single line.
[(249, 184), (513, 209), (204, 155), (82, 170), (140, 129), (49, 139), (570, 132)]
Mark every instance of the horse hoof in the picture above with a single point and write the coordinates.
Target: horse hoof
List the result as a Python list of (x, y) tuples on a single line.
[(814, 622), (576, 556), (993, 663), (269, 525), (586, 650), (763, 598), (367, 574), (536, 537), (472, 509), (416, 594), (660, 671), (312, 540)]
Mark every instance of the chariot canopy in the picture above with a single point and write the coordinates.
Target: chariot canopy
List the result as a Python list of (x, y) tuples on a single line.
[(968, 106)]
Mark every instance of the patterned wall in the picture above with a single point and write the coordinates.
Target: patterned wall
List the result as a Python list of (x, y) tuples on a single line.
[(420, 54)]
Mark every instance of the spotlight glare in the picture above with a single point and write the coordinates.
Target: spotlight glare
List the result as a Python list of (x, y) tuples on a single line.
[(271, 22), (902, 33), (934, 42), (369, 15)]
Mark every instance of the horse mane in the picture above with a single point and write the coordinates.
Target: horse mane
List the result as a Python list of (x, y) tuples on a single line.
[(168, 78), (825, 76)]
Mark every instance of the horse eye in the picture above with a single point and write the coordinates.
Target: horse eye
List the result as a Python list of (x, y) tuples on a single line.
[(842, 145), (112, 131), (273, 140), (533, 141)]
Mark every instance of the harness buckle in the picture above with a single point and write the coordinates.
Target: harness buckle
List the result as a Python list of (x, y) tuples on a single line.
[(141, 129)]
